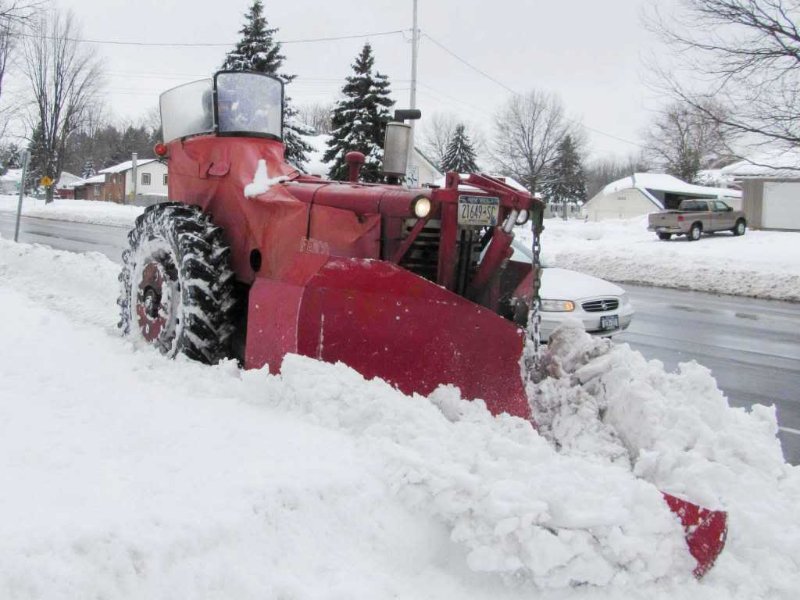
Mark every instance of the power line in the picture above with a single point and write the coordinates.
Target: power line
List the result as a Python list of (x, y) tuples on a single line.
[(505, 87), (216, 44)]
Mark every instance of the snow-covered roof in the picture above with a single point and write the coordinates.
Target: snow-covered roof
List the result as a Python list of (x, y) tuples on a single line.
[(95, 179), (12, 175), (68, 181), (773, 163), (126, 166), (661, 182)]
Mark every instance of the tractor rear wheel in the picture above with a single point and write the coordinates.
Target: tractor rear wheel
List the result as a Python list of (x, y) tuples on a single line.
[(177, 283)]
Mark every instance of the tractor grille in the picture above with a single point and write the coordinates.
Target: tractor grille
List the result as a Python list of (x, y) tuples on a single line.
[(603, 305), (422, 257)]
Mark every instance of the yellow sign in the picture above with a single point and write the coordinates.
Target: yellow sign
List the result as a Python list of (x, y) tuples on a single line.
[(46, 181)]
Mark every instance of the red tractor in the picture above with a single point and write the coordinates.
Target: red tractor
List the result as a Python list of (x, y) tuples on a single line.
[(255, 259)]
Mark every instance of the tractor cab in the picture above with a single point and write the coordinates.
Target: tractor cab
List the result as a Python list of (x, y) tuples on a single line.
[(228, 104)]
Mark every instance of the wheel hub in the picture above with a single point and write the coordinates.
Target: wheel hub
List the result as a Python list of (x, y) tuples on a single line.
[(153, 300)]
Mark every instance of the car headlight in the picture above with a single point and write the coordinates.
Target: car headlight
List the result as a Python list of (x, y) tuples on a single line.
[(557, 305), (624, 300)]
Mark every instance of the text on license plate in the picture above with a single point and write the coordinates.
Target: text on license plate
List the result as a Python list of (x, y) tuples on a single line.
[(478, 210), (609, 323)]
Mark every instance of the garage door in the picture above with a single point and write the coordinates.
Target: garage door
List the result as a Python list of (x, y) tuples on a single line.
[(781, 206)]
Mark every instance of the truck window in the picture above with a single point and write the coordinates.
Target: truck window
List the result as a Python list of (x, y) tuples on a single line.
[(720, 206)]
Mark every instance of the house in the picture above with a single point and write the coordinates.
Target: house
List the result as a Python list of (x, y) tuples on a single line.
[(644, 193), (151, 181), (421, 168), (10, 181), (92, 188), (770, 182), (66, 184)]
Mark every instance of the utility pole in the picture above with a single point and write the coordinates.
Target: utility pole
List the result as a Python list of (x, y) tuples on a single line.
[(413, 99)]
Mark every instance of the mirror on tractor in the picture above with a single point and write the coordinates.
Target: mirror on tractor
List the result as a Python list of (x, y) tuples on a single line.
[(249, 104)]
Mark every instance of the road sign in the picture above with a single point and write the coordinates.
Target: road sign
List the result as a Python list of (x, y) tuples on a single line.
[(46, 181)]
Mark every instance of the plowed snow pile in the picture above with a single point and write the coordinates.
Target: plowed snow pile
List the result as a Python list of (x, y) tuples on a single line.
[(126, 475)]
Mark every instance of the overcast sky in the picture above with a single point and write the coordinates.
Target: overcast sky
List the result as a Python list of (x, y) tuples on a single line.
[(588, 51)]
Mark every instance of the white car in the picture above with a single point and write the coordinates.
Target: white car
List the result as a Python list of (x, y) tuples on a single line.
[(601, 306)]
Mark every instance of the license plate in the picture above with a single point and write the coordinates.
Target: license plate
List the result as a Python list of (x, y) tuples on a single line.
[(478, 211), (609, 323)]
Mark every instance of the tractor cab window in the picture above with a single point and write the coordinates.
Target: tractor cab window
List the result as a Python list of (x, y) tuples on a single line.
[(249, 103), (187, 110)]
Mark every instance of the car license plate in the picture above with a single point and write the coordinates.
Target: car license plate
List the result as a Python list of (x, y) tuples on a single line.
[(609, 323), (478, 211)]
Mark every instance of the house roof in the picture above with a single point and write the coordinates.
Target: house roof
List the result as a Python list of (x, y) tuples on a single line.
[(95, 179), (126, 166), (661, 182), (780, 163), (69, 181)]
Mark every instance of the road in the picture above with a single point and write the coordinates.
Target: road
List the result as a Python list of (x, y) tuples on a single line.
[(751, 346), (65, 235)]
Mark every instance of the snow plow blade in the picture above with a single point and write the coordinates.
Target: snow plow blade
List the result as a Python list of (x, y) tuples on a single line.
[(705, 529), (386, 322)]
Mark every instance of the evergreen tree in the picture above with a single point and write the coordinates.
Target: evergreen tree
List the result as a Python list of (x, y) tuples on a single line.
[(9, 157), (359, 119), (88, 169), (258, 51), (565, 182), (40, 164), (460, 155)]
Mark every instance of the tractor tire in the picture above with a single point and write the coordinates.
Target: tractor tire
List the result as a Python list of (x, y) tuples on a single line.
[(664, 237), (740, 227), (694, 232), (177, 284)]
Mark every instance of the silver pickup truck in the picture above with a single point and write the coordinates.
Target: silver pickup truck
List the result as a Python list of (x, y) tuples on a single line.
[(695, 217)]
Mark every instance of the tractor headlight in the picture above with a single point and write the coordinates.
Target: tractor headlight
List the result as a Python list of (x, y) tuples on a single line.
[(557, 305), (422, 207)]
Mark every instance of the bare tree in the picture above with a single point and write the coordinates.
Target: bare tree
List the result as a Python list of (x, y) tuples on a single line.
[(64, 80), (317, 116), (528, 131), (437, 131), (745, 52), (13, 16), (684, 139), (602, 172)]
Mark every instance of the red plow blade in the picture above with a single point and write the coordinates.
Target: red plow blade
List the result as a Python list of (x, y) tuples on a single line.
[(705, 531)]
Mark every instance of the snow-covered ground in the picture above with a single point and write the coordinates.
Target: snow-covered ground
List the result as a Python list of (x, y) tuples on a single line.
[(80, 211), (127, 475), (763, 264)]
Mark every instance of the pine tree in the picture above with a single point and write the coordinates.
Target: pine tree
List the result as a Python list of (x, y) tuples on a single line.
[(460, 155), (88, 169), (359, 119), (565, 182), (40, 164), (258, 51)]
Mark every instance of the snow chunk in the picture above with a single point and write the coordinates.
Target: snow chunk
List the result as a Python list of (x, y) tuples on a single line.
[(262, 182)]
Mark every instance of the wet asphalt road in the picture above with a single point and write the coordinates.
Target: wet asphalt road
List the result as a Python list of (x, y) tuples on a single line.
[(751, 346)]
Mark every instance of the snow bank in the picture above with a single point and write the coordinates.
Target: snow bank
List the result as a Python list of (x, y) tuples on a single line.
[(762, 264), (78, 211), (126, 475)]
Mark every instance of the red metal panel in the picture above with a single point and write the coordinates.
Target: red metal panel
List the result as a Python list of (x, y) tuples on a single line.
[(386, 322), (272, 323)]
